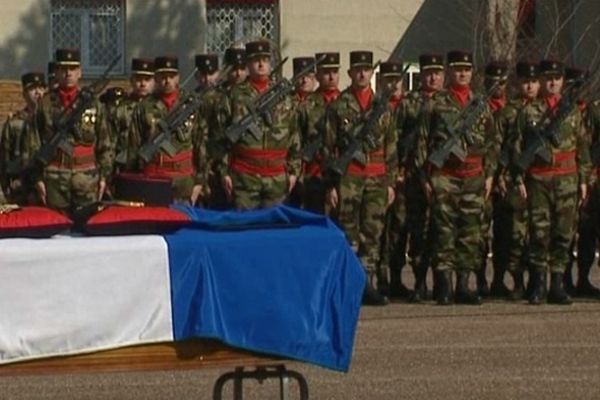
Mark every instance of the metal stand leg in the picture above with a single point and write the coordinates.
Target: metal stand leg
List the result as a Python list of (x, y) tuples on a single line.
[(261, 374)]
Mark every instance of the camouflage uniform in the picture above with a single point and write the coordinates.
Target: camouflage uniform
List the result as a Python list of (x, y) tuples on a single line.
[(459, 192), (510, 214), (72, 181), (121, 126), (11, 157), (552, 195), (363, 191), (259, 167), (187, 167)]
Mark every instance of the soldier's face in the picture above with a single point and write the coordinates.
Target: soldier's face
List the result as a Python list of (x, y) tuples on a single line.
[(306, 83), (460, 76), (432, 80), (166, 82), (529, 88), (67, 75), (500, 90), (237, 75), (259, 66), (207, 79), (392, 83), (33, 94), (552, 84), (142, 85), (329, 78), (361, 76)]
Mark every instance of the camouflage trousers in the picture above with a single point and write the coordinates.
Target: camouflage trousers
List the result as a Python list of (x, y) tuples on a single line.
[(217, 200), (418, 225), (68, 189), (182, 189), (250, 191), (589, 230), (395, 236), (362, 205), (552, 205), (510, 231), (456, 213)]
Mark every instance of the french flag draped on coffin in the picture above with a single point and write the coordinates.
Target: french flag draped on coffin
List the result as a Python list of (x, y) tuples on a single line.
[(278, 281)]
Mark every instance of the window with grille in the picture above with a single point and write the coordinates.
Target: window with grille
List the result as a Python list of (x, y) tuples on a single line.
[(233, 21), (96, 27)]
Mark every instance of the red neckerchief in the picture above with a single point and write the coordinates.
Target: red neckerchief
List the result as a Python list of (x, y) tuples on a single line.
[(395, 101), (497, 104), (67, 95), (552, 101), (169, 99), (260, 84), (330, 95), (364, 97), (462, 94), (582, 105)]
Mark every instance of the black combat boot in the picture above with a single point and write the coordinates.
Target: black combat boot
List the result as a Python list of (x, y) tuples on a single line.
[(483, 289), (444, 295), (498, 287), (557, 294), (518, 291), (420, 292), (537, 285), (463, 294), (371, 297), (584, 287)]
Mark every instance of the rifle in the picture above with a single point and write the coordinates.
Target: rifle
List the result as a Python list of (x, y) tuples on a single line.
[(69, 118), (546, 132), (362, 135), (261, 107), (175, 119), (461, 130)]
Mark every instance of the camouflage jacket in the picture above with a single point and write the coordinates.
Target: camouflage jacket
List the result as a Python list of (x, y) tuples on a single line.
[(505, 120), (189, 136), (92, 130), (414, 108), (572, 133), (339, 124), (12, 136), (311, 119), (486, 142), (121, 126), (213, 100), (281, 132)]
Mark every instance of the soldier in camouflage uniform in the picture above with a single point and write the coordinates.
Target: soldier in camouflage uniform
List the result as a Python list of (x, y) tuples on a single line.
[(496, 75), (12, 159), (394, 239), (460, 187), (552, 188), (312, 124), (588, 228), (262, 170), (510, 213), (412, 148), (79, 179), (186, 168), (142, 85), (305, 86), (364, 192), (207, 76)]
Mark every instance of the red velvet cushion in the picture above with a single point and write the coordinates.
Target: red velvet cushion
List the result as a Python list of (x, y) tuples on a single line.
[(117, 220), (33, 222)]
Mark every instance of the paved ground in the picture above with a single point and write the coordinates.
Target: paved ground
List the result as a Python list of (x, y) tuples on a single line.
[(403, 351)]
